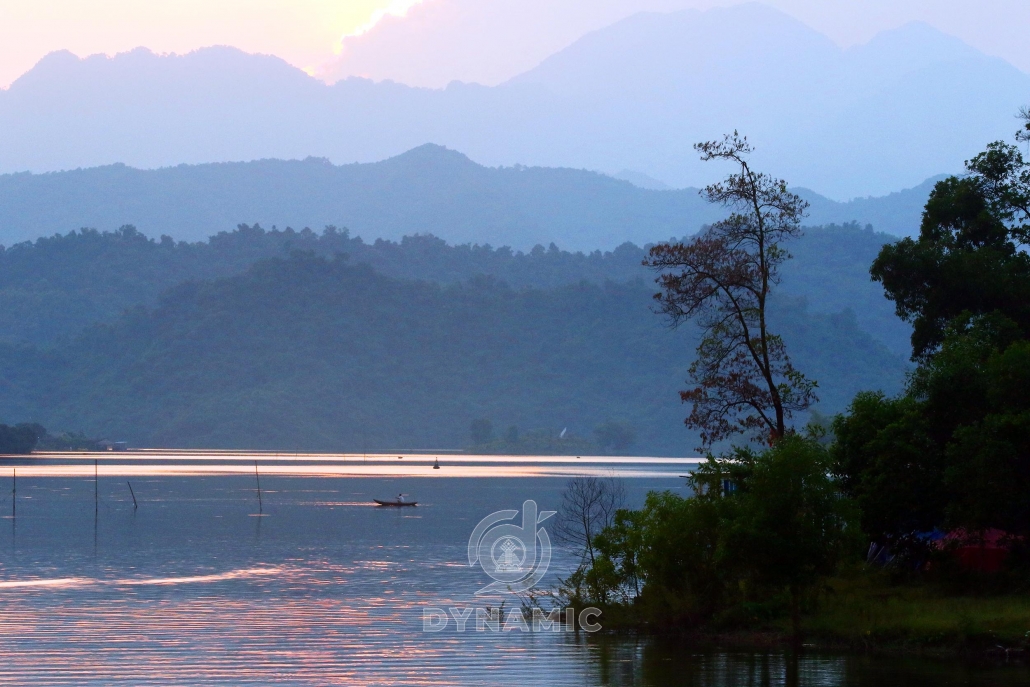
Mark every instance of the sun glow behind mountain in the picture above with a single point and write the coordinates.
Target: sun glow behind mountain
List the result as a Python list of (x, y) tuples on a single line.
[(302, 32), (396, 8)]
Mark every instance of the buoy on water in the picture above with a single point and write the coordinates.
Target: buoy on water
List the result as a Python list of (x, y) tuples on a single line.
[(436, 464)]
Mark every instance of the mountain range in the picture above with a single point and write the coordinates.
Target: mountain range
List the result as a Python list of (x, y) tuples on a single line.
[(632, 97), (428, 190)]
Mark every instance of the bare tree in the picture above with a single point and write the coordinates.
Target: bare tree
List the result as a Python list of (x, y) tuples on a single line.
[(1023, 135), (588, 505), (721, 279)]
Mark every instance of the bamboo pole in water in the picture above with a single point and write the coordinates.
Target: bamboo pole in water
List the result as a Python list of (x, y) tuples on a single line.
[(134, 504), (14, 493), (258, 478), (96, 503)]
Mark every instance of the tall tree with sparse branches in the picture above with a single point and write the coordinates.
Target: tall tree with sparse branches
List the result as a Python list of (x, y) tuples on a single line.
[(588, 505), (721, 280)]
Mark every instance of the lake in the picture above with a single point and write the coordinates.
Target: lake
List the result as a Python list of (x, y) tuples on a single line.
[(201, 585)]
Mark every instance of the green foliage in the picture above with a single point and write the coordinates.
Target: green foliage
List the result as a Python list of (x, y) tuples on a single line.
[(888, 462), (618, 548), (680, 561), (829, 270), (54, 287), (789, 524), (322, 354), (968, 256), (954, 450), (978, 390), (760, 524)]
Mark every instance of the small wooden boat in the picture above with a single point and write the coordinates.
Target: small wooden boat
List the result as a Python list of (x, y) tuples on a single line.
[(395, 504)]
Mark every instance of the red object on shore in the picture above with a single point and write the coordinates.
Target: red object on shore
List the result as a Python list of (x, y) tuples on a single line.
[(980, 551)]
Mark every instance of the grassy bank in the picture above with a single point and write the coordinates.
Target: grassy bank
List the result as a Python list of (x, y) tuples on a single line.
[(865, 612), (862, 613)]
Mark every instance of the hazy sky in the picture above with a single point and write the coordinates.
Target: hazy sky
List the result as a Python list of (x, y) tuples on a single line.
[(472, 40)]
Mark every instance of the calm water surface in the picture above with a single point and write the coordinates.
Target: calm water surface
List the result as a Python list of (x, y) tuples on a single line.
[(196, 587)]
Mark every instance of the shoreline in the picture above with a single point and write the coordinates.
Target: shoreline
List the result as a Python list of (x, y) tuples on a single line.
[(865, 616), (768, 640)]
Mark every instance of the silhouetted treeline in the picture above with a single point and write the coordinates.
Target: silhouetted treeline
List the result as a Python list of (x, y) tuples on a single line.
[(20, 438), (307, 352), (50, 289)]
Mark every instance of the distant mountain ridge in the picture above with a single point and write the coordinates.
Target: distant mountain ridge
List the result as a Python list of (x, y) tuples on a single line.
[(54, 287), (429, 189), (910, 104)]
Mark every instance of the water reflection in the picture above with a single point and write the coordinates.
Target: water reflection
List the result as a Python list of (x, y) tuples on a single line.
[(196, 463), (656, 662), (325, 589), (69, 582)]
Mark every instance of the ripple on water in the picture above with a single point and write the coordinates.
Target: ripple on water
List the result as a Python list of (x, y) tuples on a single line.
[(190, 590)]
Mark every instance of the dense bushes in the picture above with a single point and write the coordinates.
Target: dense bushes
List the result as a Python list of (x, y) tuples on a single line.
[(760, 525), (954, 450)]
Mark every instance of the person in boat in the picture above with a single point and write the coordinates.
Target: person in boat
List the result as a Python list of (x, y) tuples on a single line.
[(400, 498)]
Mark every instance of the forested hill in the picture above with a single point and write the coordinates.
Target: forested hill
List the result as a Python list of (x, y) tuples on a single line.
[(54, 287), (427, 190), (308, 352)]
